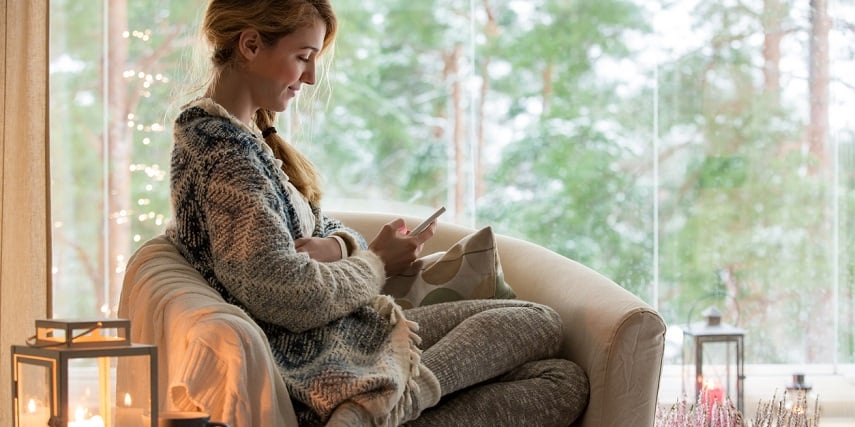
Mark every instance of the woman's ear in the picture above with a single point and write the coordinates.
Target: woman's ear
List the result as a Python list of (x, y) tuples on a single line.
[(249, 43)]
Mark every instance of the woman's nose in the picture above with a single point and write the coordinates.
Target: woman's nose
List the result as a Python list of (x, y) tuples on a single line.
[(308, 76)]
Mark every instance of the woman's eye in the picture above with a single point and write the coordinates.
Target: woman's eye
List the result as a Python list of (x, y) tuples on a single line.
[(304, 58)]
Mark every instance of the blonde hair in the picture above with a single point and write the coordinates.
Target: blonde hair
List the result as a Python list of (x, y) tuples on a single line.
[(273, 19)]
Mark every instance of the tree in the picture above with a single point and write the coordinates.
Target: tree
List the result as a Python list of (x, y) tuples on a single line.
[(818, 82), (118, 157), (557, 181)]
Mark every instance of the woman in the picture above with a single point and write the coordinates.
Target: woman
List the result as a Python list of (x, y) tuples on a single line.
[(247, 216)]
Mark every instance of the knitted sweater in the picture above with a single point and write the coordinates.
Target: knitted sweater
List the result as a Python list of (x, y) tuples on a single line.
[(333, 337)]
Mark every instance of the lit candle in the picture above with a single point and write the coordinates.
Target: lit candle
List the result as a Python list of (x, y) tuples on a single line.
[(34, 415), (128, 416), (712, 393), (81, 419)]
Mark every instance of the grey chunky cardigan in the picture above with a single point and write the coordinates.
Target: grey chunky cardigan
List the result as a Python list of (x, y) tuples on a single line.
[(334, 338)]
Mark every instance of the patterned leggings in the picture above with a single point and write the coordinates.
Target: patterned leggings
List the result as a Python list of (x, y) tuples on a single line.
[(494, 362)]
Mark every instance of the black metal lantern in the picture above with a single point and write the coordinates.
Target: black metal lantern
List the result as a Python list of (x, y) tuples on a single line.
[(800, 399), (717, 353), (67, 377)]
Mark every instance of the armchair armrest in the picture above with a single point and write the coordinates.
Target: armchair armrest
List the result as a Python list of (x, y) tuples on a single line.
[(615, 337)]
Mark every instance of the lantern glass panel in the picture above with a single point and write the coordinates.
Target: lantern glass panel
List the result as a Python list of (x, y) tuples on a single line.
[(133, 392), (719, 376), (97, 396), (34, 401)]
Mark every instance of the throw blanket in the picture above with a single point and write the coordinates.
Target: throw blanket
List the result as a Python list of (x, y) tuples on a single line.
[(211, 355), (333, 337)]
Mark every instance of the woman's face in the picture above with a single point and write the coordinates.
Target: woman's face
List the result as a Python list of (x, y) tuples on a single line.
[(276, 72)]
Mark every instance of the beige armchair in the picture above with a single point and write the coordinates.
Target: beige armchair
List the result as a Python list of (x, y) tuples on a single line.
[(615, 337)]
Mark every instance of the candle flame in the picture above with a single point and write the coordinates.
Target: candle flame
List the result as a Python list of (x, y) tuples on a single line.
[(80, 414), (31, 406), (127, 399)]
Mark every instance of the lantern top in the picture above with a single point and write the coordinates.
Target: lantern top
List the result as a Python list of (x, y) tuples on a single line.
[(799, 383), (713, 316), (82, 333), (712, 326)]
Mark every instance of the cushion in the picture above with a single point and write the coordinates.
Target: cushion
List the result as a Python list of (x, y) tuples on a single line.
[(470, 269)]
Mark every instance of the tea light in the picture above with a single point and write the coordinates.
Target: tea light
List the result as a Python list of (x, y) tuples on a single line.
[(81, 419), (128, 416), (713, 393), (35, 415)]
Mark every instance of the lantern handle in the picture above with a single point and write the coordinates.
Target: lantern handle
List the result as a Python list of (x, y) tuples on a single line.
[(712, 295)]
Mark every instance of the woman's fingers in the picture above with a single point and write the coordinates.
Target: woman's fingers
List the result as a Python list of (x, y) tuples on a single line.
[(425, 235), (395, 248)]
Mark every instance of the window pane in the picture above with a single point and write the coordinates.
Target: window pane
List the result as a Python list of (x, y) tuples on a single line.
[(114, 68), (394, 125), (697, 153), (77, 122), (749, 195)]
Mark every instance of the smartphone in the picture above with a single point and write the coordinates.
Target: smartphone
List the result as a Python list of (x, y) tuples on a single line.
[(427, 222)]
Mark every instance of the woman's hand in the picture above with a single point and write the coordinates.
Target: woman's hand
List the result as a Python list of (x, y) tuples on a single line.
[(397, 249), (323, 249)]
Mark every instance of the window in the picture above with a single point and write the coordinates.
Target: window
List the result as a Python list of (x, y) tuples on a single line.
[(698, 153)]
